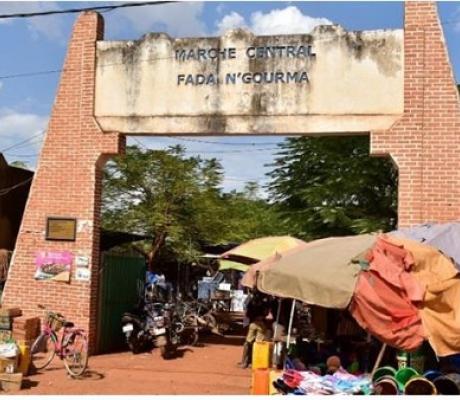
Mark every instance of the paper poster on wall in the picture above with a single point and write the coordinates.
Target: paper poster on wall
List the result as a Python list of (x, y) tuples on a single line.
[(82, 261), (82, 274), (53, 265)]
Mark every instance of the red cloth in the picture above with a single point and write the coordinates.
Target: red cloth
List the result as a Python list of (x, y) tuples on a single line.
[(386, 297)]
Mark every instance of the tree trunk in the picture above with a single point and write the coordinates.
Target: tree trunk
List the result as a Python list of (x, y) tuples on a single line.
[(157, 243)]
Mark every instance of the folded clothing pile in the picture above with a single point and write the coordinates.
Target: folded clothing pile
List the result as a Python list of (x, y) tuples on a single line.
[(307, 382)]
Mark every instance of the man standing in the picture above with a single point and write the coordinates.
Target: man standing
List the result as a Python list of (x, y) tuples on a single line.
[(257, 310)]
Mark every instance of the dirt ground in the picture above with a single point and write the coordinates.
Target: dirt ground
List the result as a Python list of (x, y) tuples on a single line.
[(208, 369)]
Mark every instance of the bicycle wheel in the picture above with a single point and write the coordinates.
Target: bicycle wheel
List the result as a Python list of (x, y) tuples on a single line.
[(42, 351), (76, 353)]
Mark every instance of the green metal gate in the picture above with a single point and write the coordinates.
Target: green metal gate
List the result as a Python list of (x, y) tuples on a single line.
[(118, 294)]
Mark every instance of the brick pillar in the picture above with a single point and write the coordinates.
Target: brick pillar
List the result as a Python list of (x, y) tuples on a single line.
[(425, 142), (67, 183)]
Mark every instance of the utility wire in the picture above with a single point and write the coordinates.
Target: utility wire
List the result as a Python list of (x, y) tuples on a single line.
[(229, 151), (23, 146), (216, 143), (30, 140), (5, 191), (77, 10), (229, 178), (22, 142), (28, 74), (226, 143), (22, 155), (214, 152)]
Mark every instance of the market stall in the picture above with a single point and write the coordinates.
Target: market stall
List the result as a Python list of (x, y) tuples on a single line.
[(400, 291)]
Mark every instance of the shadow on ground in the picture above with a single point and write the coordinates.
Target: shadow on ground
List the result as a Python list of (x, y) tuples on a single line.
[(226, 340), (28, 384), (90, 375)]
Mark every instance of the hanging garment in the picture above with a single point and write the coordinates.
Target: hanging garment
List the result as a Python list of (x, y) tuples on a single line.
[(386, 297), (444, 237), (384, 311), (430, 266), (440, 310)]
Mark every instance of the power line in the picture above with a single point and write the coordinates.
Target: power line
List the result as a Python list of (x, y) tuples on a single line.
[(22, 155), (22, 142), (229, 151), (214, 152), (231, 179), (5, 191), (227, 143), (216, 143), (27, 74), (32, 142), (77, 10), (243, 179)]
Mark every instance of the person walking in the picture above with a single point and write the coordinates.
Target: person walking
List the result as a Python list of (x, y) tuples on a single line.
[(256, 312)]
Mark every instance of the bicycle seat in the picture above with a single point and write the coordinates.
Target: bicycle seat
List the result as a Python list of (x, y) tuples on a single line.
[(68, 324)]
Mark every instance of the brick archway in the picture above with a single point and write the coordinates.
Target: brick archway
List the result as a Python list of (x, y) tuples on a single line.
[(424, 143)]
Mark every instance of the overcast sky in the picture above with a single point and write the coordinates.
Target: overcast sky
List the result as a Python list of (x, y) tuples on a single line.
[(39, 44)]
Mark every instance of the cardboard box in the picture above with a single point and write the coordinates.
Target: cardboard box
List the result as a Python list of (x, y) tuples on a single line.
[(8, 364), (11, 382)]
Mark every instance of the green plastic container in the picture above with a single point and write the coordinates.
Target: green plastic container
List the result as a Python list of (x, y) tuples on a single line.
[(414, 359), (383, 371), (404, 375)]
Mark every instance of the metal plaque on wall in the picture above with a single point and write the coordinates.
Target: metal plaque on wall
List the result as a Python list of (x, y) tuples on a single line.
[(61, 228)]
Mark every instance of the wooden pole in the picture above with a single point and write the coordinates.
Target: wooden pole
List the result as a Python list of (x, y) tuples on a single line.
[(277, 319), (379, 358), (275, 331), (291, 318), (288, 340)]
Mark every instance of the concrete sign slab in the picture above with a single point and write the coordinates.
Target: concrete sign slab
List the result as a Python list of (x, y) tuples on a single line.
[(327, 81)]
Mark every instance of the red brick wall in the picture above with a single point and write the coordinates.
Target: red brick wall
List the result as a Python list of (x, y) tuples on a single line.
[(67, 183), (425, 143)]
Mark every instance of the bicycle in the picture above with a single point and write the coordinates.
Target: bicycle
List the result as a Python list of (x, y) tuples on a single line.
[(71, 346)]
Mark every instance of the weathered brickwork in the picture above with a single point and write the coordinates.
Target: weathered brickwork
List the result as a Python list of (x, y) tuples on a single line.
[(67, 183), (424, 143)]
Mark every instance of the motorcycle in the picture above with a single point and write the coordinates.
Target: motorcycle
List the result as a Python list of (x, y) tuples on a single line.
[(159, 322), (198, 316), (150, 324), (147, 328), (184, 325)]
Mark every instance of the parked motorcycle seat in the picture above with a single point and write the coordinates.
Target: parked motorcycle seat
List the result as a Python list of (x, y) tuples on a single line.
[(129, 317)]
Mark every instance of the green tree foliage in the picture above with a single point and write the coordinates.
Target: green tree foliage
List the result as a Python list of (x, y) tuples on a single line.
[(247, 216), (178, 201), (331, 186), (19, 164)]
